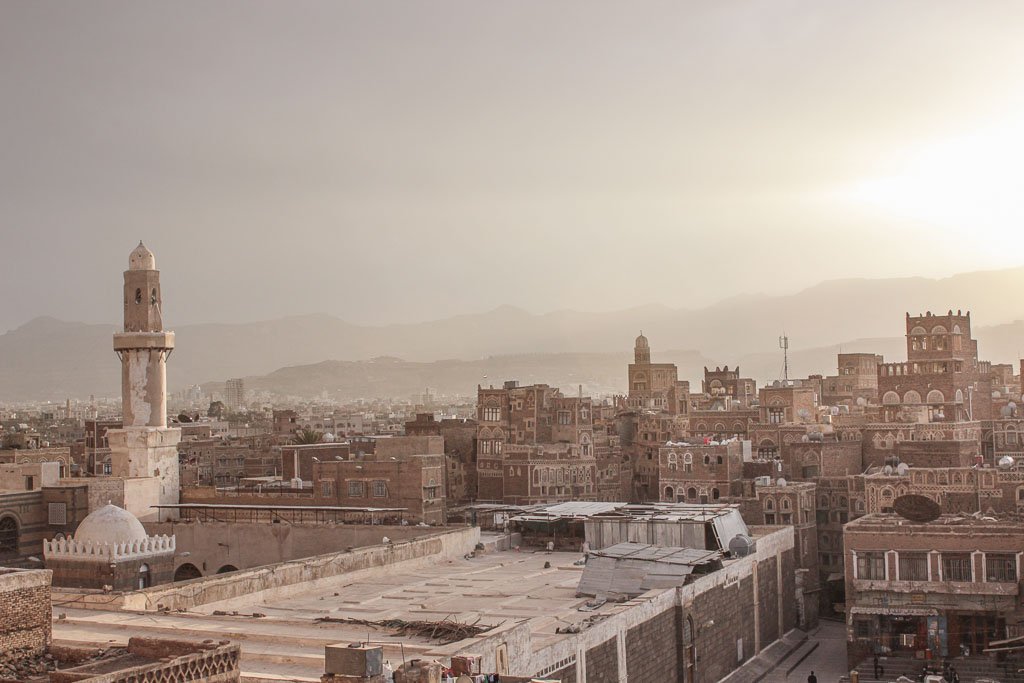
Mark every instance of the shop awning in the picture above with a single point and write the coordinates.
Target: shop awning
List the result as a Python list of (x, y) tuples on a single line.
[(897, 611)]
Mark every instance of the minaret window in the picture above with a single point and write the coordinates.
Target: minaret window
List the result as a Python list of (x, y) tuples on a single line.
[(152, 297), (138, 296)]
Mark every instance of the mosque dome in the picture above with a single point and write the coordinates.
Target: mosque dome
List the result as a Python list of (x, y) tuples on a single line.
[(141, 258), (110, 524)]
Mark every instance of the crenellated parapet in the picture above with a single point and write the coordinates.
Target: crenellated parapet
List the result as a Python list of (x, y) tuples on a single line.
[(71, 549)]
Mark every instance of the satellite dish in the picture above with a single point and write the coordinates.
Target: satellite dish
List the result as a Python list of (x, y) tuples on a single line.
[(780, 482), (804, 413), (887, 470), (834, 410), (917, 508), (902, 469), (741, 545), (1006, 461), (861, 401)]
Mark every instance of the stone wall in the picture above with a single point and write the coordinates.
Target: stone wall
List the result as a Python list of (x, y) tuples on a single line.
[(25, 611), (285, 578), (212, 546), (724, 619)]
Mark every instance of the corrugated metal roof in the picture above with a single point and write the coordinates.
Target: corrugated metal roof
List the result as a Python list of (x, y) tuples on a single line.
[(655, 553), (634, 568)]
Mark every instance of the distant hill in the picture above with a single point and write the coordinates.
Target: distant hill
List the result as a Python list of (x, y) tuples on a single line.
[(51, 359), (595, 373)]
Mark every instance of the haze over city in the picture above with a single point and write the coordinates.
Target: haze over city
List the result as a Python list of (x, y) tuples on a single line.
[(442, 160)]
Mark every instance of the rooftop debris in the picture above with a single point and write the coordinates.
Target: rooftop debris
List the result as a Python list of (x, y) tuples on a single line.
[(445, 631)]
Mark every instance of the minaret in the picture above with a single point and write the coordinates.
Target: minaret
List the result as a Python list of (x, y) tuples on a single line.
[(145, 448), (642, 350)]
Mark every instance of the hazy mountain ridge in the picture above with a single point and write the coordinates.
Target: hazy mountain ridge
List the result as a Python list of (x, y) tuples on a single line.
[(52, 359)]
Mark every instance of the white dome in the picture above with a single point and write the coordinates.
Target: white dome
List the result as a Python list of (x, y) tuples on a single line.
[(141, 258), (110, 524)]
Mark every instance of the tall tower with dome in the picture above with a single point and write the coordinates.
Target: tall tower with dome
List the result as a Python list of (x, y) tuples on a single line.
[(145, 447)]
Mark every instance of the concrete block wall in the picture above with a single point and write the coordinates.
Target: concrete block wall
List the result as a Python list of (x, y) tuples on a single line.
[(25, 611)]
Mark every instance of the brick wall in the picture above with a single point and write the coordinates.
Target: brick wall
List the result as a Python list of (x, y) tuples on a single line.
[(652, 649), (768, 585), (25, 611), (603, 663)]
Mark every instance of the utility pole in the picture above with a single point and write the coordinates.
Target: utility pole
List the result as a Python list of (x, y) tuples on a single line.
[(784, 345)]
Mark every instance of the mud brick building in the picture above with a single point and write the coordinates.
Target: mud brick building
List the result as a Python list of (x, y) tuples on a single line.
[(701, 474), (923, 444), (535, 414), (402, 472), (810, 459), (721, 424), (459, 451), (857, 381), (543, 473), (940, 587), (792, 504), (957, 490), (654, 386), (297, 460), (942, 380), (724, 389)]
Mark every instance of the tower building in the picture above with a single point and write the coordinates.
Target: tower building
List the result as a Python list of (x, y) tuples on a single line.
[(144, 449)]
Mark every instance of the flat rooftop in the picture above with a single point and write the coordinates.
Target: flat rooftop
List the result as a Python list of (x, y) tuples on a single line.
[(495, 589), (892, 523)]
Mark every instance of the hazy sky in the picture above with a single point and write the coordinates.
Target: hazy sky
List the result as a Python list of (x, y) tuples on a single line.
[(383, 161)]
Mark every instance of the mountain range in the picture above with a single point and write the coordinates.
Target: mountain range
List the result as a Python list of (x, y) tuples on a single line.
[(49, 359)]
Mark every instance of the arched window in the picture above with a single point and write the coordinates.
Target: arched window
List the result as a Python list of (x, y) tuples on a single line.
[(769, 504), (935, 396), (145, 577), (912, 397), (152, 297), (691, 493), (785, 503), (890, 398), (138, 296), (9, 536), (714, 494), (707, 459), (670, 494)]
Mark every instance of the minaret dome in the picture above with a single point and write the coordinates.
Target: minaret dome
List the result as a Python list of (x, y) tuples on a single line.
[(141, 258)]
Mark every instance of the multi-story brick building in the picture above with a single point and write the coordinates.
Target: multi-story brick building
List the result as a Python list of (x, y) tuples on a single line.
[(459, 450), (541, 473), (938, 588), (942, 379), (402, 472), (654, 386), (724, 389), (856, 384), (701, 474)]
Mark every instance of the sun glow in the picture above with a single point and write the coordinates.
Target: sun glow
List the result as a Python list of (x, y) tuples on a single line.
[(972, 185)]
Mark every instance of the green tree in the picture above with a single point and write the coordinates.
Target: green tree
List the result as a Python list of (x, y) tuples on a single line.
[(307, 436)]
